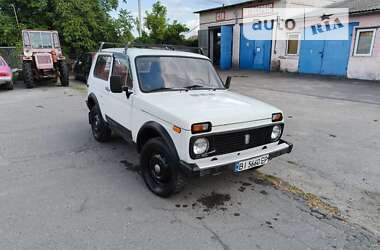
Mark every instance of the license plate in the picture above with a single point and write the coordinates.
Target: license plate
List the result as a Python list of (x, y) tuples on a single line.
[(251, 163)]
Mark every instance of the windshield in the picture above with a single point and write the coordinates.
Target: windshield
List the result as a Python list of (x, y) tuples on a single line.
[(176, 73), (41, 40)]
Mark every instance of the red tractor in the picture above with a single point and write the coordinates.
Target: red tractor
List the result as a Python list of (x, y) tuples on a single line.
[(43, 58)]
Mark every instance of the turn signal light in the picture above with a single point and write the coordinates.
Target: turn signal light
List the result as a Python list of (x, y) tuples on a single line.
[(176, 129), (277, 117), (201, 128)]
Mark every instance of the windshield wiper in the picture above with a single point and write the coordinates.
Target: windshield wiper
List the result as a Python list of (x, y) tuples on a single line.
[(197, 86), (170, 89)]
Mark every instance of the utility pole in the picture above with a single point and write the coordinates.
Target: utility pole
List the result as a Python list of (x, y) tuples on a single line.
[(14, 10), (140, 19)]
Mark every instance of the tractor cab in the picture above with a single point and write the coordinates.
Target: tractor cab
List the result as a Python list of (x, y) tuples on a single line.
[(42, 57)]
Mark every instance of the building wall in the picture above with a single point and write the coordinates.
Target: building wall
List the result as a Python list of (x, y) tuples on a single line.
[(281, 61), (233, 16), (289, 63), (361, 67)]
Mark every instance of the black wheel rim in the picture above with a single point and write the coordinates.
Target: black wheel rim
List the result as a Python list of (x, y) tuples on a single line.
[(159, 170), (96, 122)]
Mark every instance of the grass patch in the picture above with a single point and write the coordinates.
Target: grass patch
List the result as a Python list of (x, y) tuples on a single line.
[(79, 87), (312, 200)]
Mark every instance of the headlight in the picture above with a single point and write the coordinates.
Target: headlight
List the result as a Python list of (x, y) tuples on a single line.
[(276, 133), (200, 146), (28, 53)]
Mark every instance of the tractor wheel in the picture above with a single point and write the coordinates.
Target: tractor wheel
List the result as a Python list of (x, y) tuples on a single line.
[(63, 74), (28, 74)]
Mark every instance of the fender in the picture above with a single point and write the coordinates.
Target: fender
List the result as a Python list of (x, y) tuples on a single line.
[(159, 131), (91, 102), (91, 97)]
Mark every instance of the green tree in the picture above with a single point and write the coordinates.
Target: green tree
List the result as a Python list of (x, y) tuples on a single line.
[(81, 24), (174, 33), (124, 26), (159, 28), (156, 22)]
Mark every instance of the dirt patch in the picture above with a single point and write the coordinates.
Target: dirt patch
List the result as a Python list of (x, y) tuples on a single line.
[(130, 166), (311, 200), (214, 200)]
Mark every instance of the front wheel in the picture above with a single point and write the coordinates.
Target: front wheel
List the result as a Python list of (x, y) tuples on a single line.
[(63, 73), (27, 72), (160, 169)]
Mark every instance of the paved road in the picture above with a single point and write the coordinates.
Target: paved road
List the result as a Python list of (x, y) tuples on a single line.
[(335, 127), (59, 189)]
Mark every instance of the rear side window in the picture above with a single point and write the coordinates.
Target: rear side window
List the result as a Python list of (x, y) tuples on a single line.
[(103, 67), (1, 62)]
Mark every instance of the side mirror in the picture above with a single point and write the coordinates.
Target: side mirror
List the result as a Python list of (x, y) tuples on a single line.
[(116, 84), (227, 84)]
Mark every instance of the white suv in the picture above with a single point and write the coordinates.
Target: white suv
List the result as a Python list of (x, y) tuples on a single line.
[(182, 118)]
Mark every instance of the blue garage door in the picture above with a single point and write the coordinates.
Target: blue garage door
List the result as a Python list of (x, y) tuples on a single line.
[(226, 47), (254, 54), (325, 57)]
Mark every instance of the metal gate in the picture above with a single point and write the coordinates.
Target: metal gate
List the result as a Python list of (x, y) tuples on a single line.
[(226, 47), (255, 54), (11, 56), (326, 57)]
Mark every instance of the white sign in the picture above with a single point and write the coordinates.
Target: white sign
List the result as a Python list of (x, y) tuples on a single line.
[(310, 23)]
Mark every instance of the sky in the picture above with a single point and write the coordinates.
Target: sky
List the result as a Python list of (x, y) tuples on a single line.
[(181, 10)]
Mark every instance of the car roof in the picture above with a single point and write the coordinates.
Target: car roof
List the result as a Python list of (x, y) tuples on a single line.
[(135, 52)]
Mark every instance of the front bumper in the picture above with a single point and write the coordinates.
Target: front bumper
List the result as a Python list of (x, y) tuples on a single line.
[(193, 170)]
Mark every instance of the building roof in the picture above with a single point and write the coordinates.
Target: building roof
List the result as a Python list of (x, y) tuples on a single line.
[(358, 6), (355, 6), (225, 6)]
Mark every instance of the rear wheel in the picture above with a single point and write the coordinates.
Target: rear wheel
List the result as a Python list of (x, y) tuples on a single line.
[(160, 169), (28, 74), (9, 85), (100, 130), (63, 73)]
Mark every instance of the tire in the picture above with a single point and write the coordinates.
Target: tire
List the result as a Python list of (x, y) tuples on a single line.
[(100, 130), (9, 85), (28, 74), (160, 169), (63, 73)]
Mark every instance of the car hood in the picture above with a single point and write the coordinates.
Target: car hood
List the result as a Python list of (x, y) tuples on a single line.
[(220, 107)]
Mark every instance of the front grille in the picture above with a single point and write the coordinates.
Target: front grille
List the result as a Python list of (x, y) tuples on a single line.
[(229, 142), (43, 59)]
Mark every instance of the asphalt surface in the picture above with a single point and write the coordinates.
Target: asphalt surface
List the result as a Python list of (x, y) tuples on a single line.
[(334, 125), (60, 189)]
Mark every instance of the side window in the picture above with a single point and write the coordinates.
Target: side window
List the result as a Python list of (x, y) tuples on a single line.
[(364, 43), (103, 67), (292, 47), (121, 68)]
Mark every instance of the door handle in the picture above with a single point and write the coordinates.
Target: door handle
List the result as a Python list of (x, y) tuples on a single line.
[(107, 89)]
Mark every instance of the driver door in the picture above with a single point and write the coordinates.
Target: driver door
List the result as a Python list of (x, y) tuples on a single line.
[(120, 105)]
